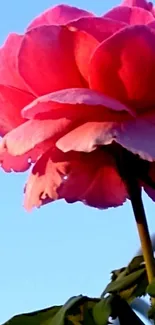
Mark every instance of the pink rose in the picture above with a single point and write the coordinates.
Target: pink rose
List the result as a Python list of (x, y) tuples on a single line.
[(70, 87)]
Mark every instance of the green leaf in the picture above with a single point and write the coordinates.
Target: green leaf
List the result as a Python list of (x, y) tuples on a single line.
[(35, 318), (151, 289), (59, 317), (136, 263), (102, 311), (130, 282), (117, 273), (50, 316), (88, 318), (76, 311), (124, 282), (82, 312), (140, 289)]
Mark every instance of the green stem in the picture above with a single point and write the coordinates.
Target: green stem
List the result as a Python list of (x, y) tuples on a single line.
[(129, 166), (141, 222), (142, 226)]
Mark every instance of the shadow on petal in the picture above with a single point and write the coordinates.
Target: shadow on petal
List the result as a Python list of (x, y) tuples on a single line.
[(75, 177)]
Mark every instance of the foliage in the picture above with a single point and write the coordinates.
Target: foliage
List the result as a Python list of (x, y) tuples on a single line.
[(126, 284)]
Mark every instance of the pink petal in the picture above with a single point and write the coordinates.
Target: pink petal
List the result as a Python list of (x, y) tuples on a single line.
[(45, 179), (136, 135), (84, 46), (100, 195), (88, 137), (48, 57), (14, 163), (79, 177), (22, 162), (12, 100), (117, 70), (9, 74), (130, 15), (59, 15), (33, 134), (100, 28), (75, 177), (138, 3), (75, 103), (149, 190), (91, 173), (151, 24)]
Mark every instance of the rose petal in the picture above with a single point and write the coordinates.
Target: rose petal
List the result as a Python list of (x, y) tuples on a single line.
[(117, 70), (48, 57), (32, 134), (84, 47), (22, 162), (88, 137), (100, 195), (151, 24), (130, 15), (59, 15), (75, 177), (138, 3), (45, 178), (12, 100), (100, 28), (9, 74), (75, 103), (14, 163), (81, 173), (148, 189), (153, 11), (136, 135), (91, 173), (150, 192)]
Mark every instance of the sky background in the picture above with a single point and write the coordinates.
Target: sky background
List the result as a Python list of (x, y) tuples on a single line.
[(60, 250)]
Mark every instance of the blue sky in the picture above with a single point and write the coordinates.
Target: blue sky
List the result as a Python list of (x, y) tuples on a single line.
[(60, 250)]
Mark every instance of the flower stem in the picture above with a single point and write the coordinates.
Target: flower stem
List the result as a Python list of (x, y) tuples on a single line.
[(141, 222), (129, 166)]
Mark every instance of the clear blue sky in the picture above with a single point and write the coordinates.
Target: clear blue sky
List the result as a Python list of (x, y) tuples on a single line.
[(59, 250)]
